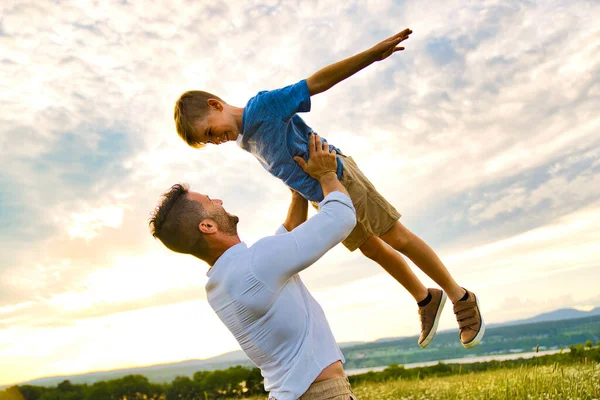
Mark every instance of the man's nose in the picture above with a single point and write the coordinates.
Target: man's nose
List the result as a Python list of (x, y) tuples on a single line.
[(218, 201)]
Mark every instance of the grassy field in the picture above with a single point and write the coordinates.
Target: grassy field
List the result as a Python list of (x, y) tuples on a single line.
[(551, 382)]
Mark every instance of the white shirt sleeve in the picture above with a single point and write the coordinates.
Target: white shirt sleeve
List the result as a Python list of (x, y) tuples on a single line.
[(275, 259), (281, 230)]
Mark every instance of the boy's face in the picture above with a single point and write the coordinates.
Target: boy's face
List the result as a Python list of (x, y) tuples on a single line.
[(217, 128)]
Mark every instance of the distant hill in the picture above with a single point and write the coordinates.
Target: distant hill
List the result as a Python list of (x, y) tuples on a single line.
[(556, 315), (548, 330), (513, 339)]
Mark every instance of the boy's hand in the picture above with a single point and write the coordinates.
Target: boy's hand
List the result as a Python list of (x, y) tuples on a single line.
[(320, 161), (389, 46), (333, 74)]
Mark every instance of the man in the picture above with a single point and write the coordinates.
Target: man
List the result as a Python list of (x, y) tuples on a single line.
[(256, 291)]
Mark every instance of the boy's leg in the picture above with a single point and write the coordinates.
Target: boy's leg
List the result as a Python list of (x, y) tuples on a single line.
[(375, 215), (430, 301), (395, 265), (424, 257), (467, 312)]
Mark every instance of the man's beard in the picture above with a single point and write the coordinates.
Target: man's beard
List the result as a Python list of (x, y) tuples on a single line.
[(227, 223)]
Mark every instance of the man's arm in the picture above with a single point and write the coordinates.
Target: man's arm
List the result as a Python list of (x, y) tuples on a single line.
[(322, 167), (297, 213), (329, 76), (277, 258)]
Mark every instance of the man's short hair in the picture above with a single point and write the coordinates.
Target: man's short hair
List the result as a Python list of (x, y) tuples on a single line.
[(191, 106), (175, 222)]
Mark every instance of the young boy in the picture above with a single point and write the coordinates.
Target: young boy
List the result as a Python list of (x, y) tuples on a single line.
[(270, 129)]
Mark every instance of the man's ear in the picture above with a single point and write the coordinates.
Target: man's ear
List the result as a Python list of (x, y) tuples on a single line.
[(214, 104), (208, 226)]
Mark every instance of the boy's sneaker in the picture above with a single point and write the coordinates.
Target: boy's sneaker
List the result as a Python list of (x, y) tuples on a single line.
[(430, 316), (469, 319)]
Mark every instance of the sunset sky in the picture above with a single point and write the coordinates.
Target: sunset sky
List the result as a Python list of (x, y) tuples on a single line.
[(484, 133)]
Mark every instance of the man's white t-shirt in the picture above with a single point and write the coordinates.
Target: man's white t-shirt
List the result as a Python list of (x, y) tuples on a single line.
[(258, 295)]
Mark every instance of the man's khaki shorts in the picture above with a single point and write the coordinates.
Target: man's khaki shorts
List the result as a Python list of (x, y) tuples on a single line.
[(330, 389), (374, 215)]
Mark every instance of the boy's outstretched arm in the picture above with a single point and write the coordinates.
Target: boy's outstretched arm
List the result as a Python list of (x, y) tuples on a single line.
[(325, 78)]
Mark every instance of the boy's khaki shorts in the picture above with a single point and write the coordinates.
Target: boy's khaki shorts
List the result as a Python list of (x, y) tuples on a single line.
[(374, 215), (330, 389)]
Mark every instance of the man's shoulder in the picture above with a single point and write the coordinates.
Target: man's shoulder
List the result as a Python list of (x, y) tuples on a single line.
[(269, 246), (226, 275)]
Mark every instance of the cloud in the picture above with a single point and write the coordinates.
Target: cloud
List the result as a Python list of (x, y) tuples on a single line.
[(87, 225), (67, 308), (516, 203)]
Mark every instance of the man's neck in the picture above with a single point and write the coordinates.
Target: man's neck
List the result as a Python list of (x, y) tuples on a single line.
[(220, 248)]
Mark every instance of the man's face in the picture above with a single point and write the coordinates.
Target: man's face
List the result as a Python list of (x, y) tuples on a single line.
[(226, 222), (217, 128)]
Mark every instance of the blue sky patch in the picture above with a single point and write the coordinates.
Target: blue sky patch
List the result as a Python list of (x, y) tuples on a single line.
[(441, 50), (81, 166), (20, 223)]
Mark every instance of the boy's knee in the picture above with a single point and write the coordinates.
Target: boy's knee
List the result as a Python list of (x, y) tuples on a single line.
[(402, 241), (398, 237), (372, 248)]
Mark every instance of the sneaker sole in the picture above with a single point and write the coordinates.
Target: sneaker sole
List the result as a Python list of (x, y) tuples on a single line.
[(481, 332), (436, 321)]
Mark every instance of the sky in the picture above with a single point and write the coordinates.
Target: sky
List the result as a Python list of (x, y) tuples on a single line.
[(484, 133)]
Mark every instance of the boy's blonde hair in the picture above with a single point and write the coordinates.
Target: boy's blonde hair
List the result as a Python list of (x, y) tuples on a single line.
[(191, 106)]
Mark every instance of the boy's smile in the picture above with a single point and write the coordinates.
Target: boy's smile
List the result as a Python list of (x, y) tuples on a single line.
[(218, 127)]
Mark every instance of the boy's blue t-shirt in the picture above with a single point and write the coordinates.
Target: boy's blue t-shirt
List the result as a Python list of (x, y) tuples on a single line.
[(274, 134)]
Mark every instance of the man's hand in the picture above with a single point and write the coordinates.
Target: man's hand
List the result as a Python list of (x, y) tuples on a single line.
[(320, 160), (389, 46), (322, 165)]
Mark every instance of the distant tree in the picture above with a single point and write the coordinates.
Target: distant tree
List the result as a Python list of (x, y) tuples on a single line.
[(65, 386), (11, 393), (237, 377), (217, 383), (133, 387), (200, 375), (183, 388), (30, 392), (577, 351), (52, 394), (64, 391), (589, 344), (255, 382), (99, 391), (232, 382)]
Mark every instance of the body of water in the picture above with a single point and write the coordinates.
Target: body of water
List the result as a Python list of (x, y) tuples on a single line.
[(464, 360)]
